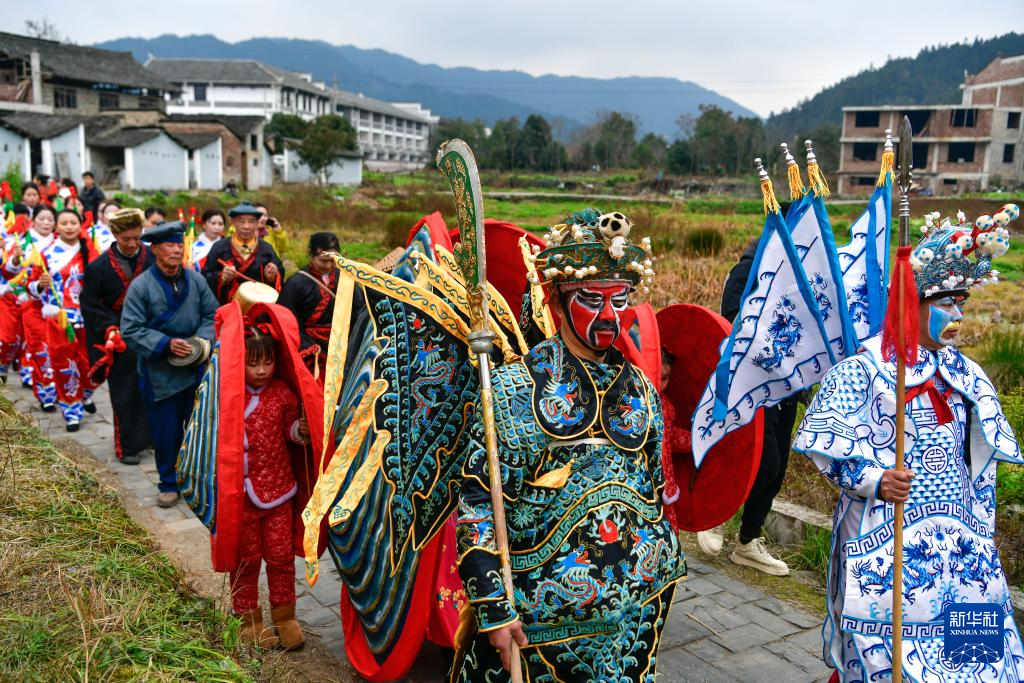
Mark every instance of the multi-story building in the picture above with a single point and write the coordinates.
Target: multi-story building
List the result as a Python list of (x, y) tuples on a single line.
[(393, 136), (964, 147), (47, 77), (240, 87)]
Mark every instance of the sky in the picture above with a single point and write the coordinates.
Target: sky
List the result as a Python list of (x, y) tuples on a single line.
[(766, 55)]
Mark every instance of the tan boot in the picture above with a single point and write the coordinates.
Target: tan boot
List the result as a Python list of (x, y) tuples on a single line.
[(288, 630), (253, 631)]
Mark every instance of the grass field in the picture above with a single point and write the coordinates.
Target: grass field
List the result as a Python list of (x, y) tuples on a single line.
[(84, 592)]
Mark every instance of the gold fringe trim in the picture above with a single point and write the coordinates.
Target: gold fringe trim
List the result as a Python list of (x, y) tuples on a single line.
[(796, 183), (817, 180), (888, 164), (771, 204)]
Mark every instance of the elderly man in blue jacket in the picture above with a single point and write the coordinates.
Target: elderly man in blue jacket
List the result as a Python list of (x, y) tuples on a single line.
[(167, 321)]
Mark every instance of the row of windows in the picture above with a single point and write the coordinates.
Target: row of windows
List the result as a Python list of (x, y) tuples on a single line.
[(388, 121), (956, 153), (67, 98), (958, 118)]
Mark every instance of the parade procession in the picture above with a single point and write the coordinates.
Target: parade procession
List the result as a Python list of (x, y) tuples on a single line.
[(477, 422)]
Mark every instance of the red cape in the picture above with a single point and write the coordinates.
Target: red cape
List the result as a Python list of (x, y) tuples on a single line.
[(712, 494), (306, 462)]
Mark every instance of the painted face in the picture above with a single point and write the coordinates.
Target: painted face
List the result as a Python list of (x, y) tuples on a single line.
[(595, 312), (944, 316)]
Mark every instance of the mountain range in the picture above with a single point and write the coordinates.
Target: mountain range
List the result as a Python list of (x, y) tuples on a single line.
[(568, 102)]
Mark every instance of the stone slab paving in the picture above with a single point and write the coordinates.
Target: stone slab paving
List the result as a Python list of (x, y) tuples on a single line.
[(719, 629)]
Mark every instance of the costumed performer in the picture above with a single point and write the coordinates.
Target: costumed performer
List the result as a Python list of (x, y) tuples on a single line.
[(955, 435), (244, 256), (167, 320), (59, 288), (23, 269), (309, 294), (579, 434), (213, 221), (107, 280)]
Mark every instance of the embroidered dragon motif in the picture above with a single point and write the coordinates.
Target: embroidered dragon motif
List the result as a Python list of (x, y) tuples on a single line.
[(571, 585), (783, 333)]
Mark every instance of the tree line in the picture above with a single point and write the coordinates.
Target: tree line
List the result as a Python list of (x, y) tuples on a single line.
[(712, 143)]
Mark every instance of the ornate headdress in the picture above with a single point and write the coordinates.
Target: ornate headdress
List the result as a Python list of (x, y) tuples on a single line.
[(590, 245), (940, 260)]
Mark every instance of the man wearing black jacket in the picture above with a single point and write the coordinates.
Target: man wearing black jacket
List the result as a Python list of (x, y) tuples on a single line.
[(106, 283), (778, 435)]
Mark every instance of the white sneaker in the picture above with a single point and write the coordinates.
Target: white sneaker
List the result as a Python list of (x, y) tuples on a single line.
[(756, 555), (710, 541)]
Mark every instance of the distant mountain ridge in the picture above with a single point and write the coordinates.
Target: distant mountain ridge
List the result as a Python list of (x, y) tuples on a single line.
[(567, 101), (933, 76)]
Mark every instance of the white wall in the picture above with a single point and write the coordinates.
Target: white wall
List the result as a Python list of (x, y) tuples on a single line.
[(206, 162), (344, 171), (157, 164), (14, 148), (71, 143)]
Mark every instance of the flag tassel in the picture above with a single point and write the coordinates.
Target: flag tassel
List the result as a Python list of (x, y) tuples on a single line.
[(771, 204), (885, 175), (814, 175), (796, 183)]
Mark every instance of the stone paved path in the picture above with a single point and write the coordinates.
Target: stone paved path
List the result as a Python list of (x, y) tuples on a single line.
[(719, 630)]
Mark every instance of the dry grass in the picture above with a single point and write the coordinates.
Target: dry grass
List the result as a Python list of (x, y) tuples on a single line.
[(84, 593)]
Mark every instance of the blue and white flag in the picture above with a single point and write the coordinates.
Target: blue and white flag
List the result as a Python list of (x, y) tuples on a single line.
[(865, 264), (778, 345), (815, 244)]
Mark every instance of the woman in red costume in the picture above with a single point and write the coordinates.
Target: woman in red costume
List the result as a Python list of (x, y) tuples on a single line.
[(271, 419), (58, 287), (22, 270)]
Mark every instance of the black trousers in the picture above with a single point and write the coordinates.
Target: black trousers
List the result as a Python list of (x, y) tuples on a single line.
[(131, 426), (778, 435)]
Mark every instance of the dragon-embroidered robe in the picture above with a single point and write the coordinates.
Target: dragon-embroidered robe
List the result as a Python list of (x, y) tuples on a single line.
[(948, 550), (594, 560)]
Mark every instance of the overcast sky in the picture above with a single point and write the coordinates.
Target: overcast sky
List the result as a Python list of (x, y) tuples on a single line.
[(765, 55)]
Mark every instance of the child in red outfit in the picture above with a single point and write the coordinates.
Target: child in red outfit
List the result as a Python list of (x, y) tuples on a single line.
[(271, 418), (675, 440)]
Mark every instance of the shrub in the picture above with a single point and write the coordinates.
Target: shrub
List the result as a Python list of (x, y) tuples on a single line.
[(1002, 356), (12, 175), (397, 227), (705, 241)]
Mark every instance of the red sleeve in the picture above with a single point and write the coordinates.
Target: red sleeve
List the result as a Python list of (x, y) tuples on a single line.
[(677, 439)]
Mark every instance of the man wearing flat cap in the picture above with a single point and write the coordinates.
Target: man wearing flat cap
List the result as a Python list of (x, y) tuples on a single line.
[(242, 257), (167, 321), (107, 279)]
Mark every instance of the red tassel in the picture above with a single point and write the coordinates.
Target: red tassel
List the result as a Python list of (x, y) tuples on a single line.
[(891, 344)]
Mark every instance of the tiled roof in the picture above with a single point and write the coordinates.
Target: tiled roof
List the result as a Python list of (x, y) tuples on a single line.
[(240, 126), (84, 64), (125, 137), (40, 126), (348, 99), (193, 140), (239, 71)]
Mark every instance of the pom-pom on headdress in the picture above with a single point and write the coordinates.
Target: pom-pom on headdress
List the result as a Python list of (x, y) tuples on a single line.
[(940, 260), (590, 245)]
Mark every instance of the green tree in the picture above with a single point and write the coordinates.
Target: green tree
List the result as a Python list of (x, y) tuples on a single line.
[(285, 127), (650, 152), (500, 148), (678, 158), (327, 137), (615, 140), (537, 149), (472, 132)]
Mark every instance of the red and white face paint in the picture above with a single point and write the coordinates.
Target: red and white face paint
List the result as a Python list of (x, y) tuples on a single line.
[(595, 312)]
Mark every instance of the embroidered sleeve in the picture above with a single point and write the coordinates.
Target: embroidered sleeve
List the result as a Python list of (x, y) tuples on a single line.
[(479, 562), (855, 475)]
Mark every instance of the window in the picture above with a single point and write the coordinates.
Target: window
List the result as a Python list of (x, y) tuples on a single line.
[(1013, 119), (865, 151), (229, 161), (109, 100), (65, 98), (253, 142), (867, 119), (963, 118), (864, 180), (1008, 151), (960, 153), (199, 92), (149, 102), (920, 154), (949, 181)]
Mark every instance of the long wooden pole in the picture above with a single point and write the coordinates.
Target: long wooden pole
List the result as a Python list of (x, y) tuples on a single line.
[(904, 182)]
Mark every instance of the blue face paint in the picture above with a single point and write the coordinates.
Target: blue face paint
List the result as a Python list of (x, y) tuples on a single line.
[(941, 314)]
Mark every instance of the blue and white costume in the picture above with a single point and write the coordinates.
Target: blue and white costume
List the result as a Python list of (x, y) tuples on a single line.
[(949, 554)]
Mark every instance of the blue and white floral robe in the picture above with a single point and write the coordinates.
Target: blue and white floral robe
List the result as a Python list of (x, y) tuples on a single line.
[(949, 554)]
